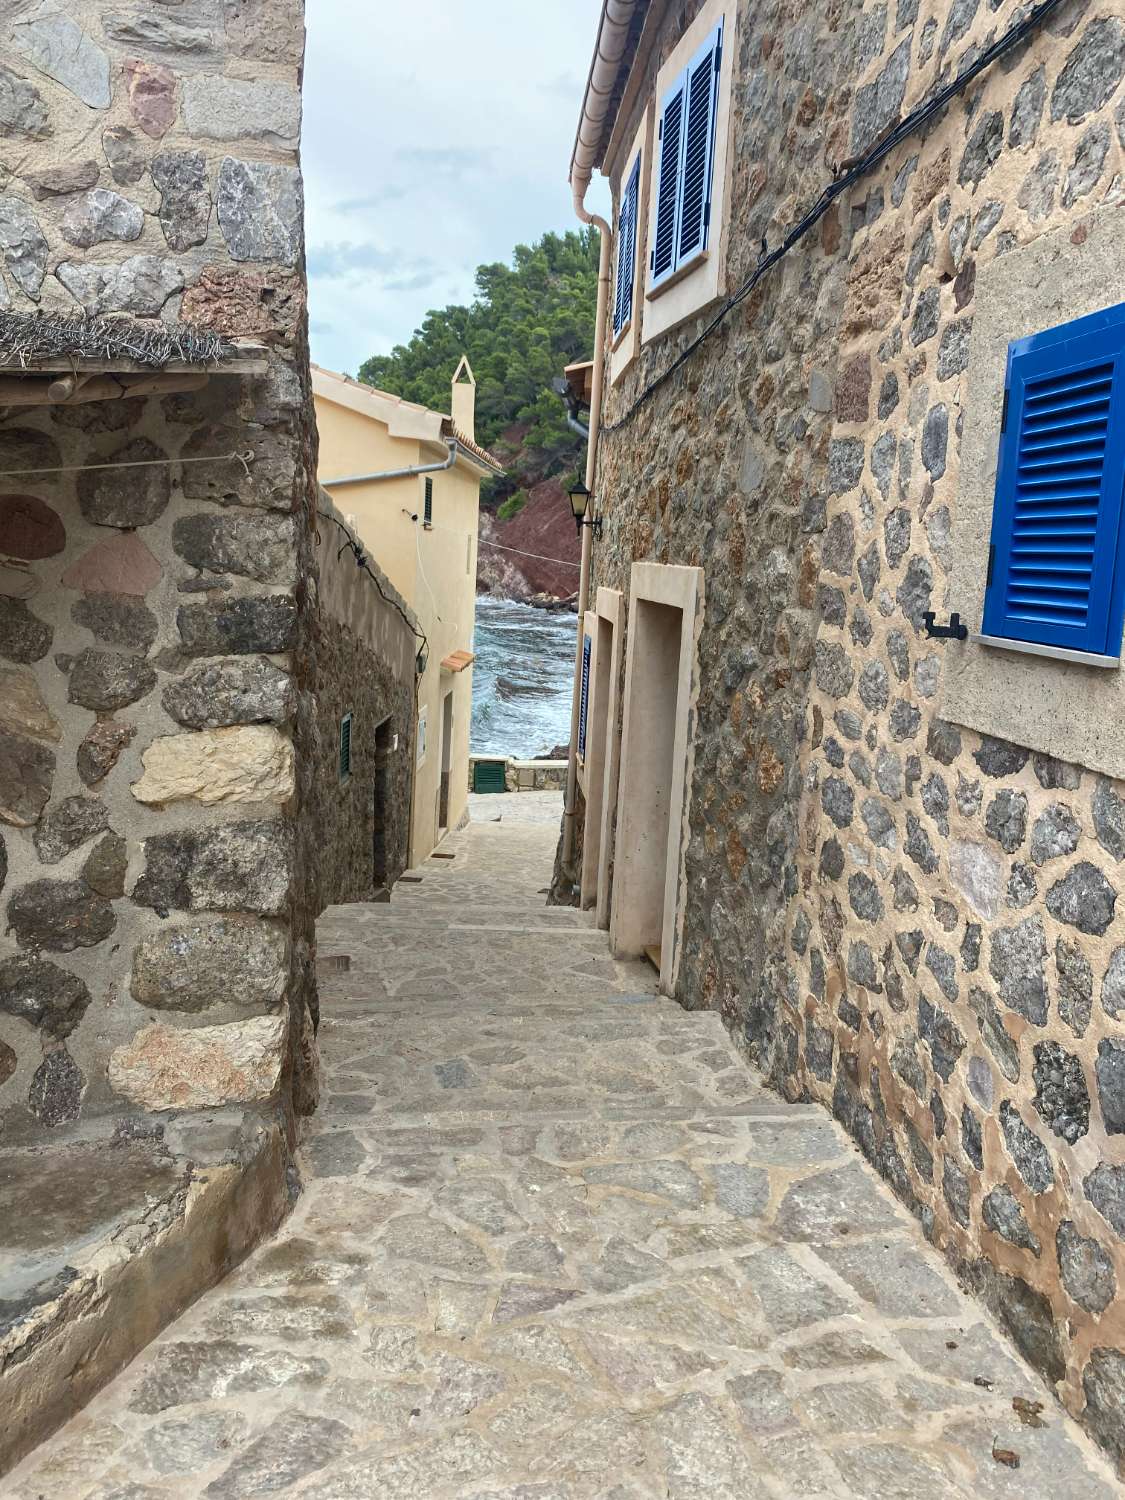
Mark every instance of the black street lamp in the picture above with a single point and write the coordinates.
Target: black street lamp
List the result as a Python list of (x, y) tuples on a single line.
[(580, 498)]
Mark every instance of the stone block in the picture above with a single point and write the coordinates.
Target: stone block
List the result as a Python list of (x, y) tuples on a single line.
[(23, 245), (105, 867), (22, 110), (102, 744), (39, 992), (151, 91), (59, 47), (142, 284), (231, 109), (100, 215), (107, 680), (117, 619), (249, 690), (261, 210), (127, 497), (27, 771), (55, 1096), (59, 915), (24, 637), (188, 966), (263, 623), (29, 528), (119, 565), (263, 547), (185, 197), (204, 1068), (69, 824), (245, 866), (125, 153), (253, 763), (22, 709), (159, 31)]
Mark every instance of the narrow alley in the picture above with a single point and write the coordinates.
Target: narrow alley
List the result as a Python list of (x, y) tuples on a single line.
[(555, 1243)]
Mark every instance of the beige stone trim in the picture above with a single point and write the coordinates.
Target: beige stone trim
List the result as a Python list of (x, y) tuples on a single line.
[(603, 751)]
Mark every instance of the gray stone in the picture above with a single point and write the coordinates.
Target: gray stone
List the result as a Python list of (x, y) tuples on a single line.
[(27, 770), (918, 846), (1103, 1382), (40, 993), (1110, 1072), (69, 824), (897, 1278), (921, 254), (184, 1445), (1027, 111), (904, 1061), (130, 497), (1003, 1214), (819, 1049), (1027, 1315), (1061, 1097), (943, 741), (179, 1373), (63, 178), (260, 210), (970, 946), (982, 150), (790, 1296), (1056, 832), (22, 110), (107, 680), (999, 758), (935, 440), (117, 619), (888, 392), (1016, 962), (1109, 818), (818, 1209), (927, 675), (986, 221), (1022, 888), (142, 284), (905, 720), (24, 637), (243, 866), (188, 966), (59, 915), (292, 1445), (23, 245), (1006, 819), (970, 795), (838, 548), (879, 823), (831, 860), (1092, 71), (1084, 899), (263, 547), (878, 104), (874, 686), (884, 451), (157, 32), (958, 21), (247, 690), (264, 623), (55, 1096), (1088, 165), (862, 971), (59, 47), (955, 1190), (105, 866), (953, 351), (741, 1190), (942, 1035), (101, 746), (230, 109), (1113, 984), (1076, 986), (180, 178), (1031, 1158), (1105, 1188), (864, 897), (943, 967), (1037, 193), (909, 944), (896, 536), (927, 315), (838, 800), (101, 215), (126, 154), (997, 1040), (1087, 1269), (914, 591)]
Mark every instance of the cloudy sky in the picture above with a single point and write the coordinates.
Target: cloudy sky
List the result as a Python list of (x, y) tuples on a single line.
[(437, 135)]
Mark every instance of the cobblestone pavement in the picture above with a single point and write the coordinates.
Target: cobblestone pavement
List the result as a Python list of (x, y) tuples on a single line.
[(558, 1243)]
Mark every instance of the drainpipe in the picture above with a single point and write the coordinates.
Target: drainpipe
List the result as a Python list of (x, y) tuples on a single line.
[(613, 33), (447, 463)]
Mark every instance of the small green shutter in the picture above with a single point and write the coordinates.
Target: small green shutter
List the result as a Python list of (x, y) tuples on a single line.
[(488, 776), (345, 747)]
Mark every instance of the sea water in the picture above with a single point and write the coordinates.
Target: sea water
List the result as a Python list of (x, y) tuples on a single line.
[(522, 678)]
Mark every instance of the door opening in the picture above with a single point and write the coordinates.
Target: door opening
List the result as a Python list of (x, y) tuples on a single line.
[(379, 801), (446, 760)]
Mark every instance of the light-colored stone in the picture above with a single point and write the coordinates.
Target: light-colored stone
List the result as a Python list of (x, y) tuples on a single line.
[(246, 763), (166, 1068), (977, 872), (22, 709), (59, 47), (120, 565), (142, 284), (230, 109), (23, 245)]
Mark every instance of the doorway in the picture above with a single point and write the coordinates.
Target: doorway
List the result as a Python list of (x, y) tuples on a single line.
[(446, 761), (379, 801), (656, 755), (603, 753)]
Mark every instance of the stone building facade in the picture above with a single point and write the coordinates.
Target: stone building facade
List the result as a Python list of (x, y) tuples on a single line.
[(902, 915), (179, 638)]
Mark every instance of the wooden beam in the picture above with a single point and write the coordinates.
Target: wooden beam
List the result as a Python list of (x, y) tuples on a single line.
[(29, 390), (235, 363)]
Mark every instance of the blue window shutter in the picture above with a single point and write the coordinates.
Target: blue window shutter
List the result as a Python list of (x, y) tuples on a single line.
[(626, 249), (698, 148), (1056, 578), (585, 702), (668, 185)]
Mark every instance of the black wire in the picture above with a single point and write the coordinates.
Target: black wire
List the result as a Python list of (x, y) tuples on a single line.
[(860, 168), (361, 562)]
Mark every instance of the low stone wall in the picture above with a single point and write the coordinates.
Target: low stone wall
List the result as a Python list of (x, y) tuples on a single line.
[(524, 775)]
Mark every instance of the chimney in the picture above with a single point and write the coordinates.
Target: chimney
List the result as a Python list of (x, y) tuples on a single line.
[(464, 403)]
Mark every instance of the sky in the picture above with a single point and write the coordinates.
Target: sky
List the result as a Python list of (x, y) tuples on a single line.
[(437, 136)]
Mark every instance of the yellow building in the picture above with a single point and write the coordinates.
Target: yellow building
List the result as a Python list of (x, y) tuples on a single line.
[(409, 480)]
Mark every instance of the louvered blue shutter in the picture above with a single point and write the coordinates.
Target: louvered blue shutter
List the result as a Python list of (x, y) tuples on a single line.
[(584, 705), (663, 261), (702, 91), (1055, 577), (626, 249)]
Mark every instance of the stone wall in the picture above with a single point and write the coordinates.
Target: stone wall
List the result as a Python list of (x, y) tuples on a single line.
[(908, 921), (362, 647), (148, 614)]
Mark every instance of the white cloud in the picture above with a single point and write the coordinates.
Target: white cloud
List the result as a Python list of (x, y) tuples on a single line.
[(437, 136)]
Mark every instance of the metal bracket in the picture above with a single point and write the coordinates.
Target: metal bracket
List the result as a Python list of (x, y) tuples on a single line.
[(953, 631)]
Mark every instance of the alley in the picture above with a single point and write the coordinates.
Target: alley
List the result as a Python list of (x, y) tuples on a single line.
[(555, 1240)]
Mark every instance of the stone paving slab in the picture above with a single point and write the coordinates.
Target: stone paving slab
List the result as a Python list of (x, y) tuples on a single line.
[(569, 1250)]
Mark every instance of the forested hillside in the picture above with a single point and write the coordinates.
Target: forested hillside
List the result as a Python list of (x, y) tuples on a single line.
[(527, 321)]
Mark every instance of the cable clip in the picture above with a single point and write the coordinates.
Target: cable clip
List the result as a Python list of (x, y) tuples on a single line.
[(954, 631)]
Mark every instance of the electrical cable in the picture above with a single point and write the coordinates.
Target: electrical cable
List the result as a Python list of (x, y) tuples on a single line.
[(361, 562), (855, 170)]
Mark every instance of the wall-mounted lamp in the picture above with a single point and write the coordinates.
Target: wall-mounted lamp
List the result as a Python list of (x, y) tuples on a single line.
[(580, 498)]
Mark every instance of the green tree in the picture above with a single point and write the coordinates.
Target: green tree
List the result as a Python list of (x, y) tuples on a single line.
[(526, 322)]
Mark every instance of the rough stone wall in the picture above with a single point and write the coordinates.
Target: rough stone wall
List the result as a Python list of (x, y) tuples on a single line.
[(148, 615), (911, 923), (361, 660)]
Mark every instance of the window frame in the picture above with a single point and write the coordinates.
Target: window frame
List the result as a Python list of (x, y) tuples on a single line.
[(344, 748), (631, 196)]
